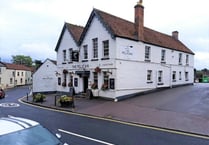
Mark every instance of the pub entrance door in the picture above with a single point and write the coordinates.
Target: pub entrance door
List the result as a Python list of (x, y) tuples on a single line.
[(85, 84)]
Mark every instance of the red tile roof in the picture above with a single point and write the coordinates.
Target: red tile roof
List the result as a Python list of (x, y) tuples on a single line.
[(18, 67), (119, 27), (125, 29), (74, 30)]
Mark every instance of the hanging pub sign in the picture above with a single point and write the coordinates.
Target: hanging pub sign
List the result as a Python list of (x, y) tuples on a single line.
[(75, 56)]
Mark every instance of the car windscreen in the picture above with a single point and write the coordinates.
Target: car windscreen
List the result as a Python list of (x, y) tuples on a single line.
[(36, 135)]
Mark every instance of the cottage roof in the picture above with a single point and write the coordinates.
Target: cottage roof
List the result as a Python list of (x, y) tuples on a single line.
[(18, 67), (74, 30), (119, 27)]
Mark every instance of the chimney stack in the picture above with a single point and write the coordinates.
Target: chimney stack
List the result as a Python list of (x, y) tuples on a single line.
[(139, 21), (175, 35)]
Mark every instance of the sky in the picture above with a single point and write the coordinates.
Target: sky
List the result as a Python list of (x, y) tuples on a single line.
[(33, 27)]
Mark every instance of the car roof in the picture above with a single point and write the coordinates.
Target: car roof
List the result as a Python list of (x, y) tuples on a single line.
[(13, 124)]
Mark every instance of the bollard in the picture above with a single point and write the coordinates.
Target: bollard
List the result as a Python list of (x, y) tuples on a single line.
[(27, 96), (55, 100)]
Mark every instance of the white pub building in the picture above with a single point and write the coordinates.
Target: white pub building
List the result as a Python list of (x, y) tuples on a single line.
[(116, 58)]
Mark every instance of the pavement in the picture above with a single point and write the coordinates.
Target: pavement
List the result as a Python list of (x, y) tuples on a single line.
[(159, 109)]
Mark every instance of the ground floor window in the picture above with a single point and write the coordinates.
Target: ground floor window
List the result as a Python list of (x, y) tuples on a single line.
[(59, 81), (70, 84), (179, 75), (76, 82), (95, 81), (105, 81), (186, 76), (11, 80), (149, 76), (174, 76), (64, 80), (160, 77)]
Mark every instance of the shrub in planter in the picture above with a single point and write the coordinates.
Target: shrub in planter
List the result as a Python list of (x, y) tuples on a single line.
[(39, 97), (104, 87), (94, 86), (65, 100), (70, 84), (64, 84)]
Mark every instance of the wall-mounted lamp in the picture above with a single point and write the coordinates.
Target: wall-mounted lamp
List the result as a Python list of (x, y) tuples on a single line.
[(57, 74)]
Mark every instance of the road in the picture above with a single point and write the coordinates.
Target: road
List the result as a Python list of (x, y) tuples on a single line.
[(83, 130)]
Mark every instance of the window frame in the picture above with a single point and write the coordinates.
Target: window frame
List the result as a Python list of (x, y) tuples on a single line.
[(174, 76), (106, 49), (147, 53), (163, 56), (70, 54), (160, 77), (149, 76), (180, 58), (64, 55), (95, 48), (187, 59), (85, 52)]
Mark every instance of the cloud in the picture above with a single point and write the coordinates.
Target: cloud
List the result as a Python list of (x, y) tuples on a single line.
[(39, 51)]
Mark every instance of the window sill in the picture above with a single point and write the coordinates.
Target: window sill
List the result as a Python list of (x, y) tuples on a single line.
[(94, 59), (174, 81), (64, 63), (105, 58), (163, 62), (149, 82), (147, 60), (160, 84), (84, 60), (70, 62)]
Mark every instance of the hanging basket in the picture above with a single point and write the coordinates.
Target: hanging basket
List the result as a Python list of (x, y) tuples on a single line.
[(97, 69), (65, 71)]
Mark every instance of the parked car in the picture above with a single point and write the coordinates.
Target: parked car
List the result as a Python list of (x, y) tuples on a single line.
[(21, 131), (2, 93)]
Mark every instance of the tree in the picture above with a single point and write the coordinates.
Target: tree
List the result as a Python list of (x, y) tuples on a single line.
[(21, 59), (37, 63)]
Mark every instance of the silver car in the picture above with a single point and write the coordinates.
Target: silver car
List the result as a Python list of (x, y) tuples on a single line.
[(21, 131)]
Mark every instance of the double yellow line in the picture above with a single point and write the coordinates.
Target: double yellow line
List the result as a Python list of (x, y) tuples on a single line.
[(122, 122)]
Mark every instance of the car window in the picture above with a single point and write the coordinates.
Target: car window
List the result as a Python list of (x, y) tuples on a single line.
[(32, 136)]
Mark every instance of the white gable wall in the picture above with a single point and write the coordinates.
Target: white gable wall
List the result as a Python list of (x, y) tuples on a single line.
[(66, 43), (44, 79)]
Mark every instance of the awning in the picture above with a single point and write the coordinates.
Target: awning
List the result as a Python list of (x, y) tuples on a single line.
[(83, 73)]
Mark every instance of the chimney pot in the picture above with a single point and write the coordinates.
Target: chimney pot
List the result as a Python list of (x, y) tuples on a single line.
[(175, 35)]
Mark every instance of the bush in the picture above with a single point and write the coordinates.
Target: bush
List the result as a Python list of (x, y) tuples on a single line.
[(65, 100), (39, 97)]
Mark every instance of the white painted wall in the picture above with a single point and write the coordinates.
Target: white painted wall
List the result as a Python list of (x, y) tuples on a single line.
[(44, 79), (127, 63)]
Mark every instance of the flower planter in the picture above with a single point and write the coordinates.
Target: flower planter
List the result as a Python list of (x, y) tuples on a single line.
[(66, 104)]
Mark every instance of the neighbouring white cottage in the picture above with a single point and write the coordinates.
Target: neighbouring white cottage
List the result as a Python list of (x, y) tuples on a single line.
[(12, 75), (44, 78), (116, 58)]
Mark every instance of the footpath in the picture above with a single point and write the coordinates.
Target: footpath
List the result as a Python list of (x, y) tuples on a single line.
[(130, 111)]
